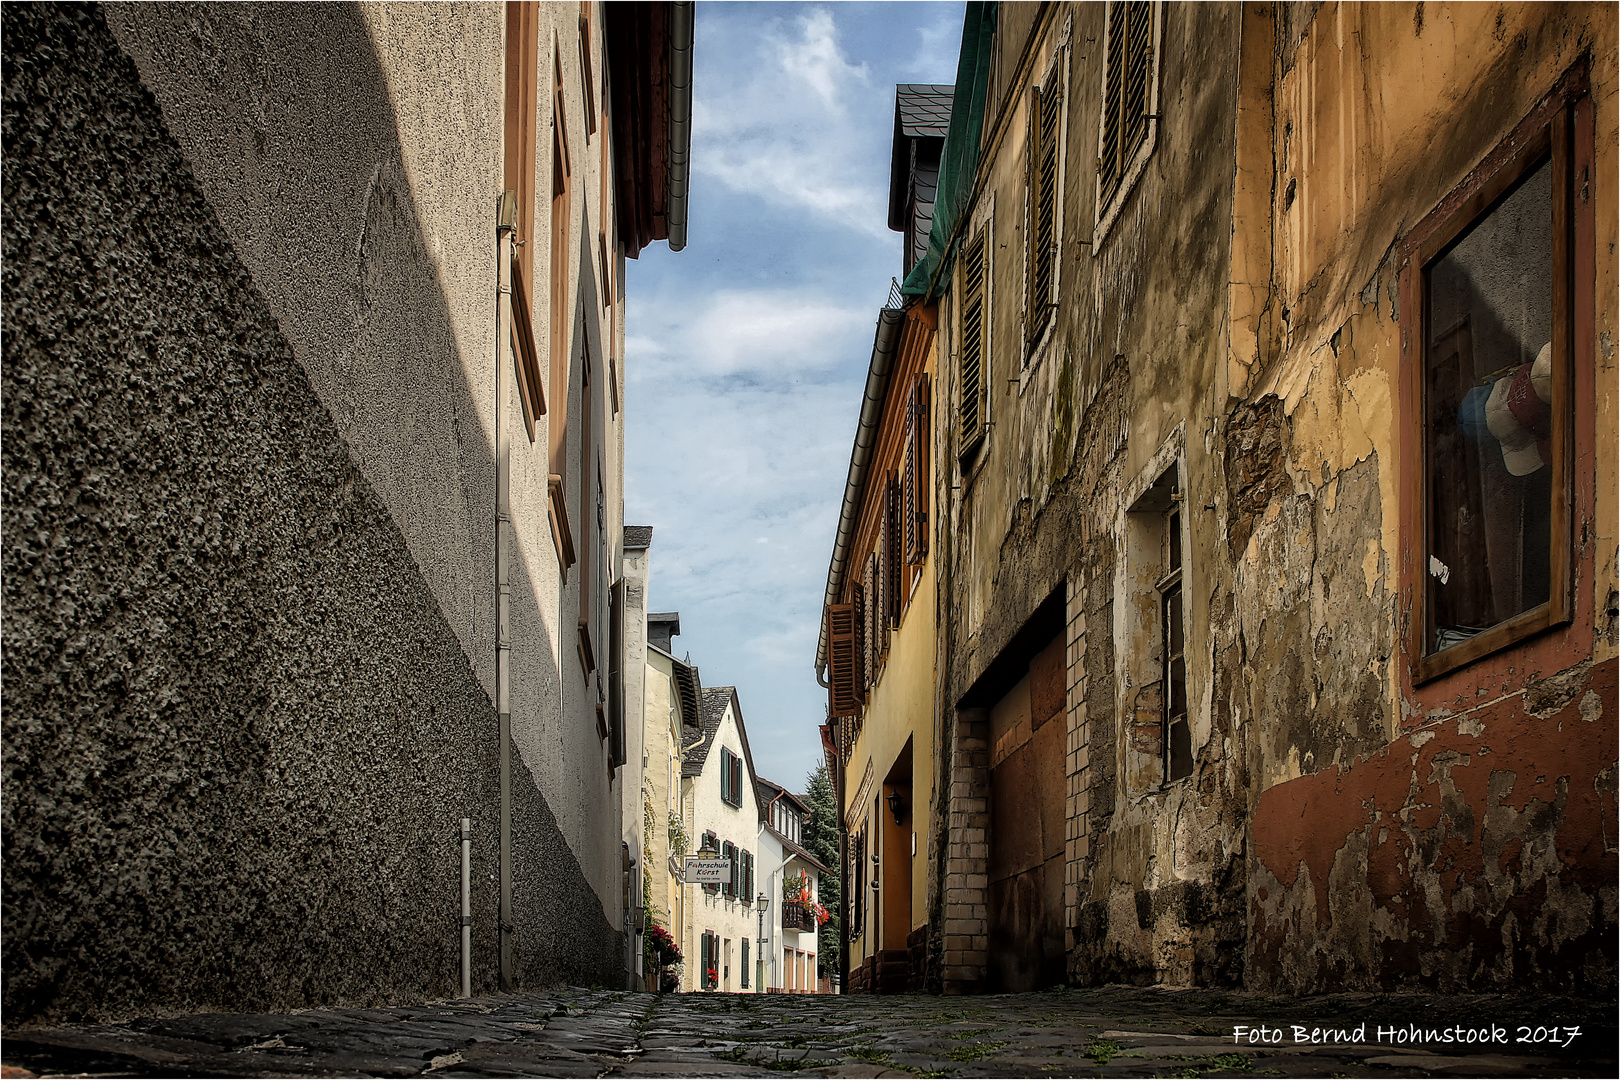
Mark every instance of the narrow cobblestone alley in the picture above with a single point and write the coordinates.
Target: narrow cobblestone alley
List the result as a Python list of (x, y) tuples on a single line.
[(1115, 1031)]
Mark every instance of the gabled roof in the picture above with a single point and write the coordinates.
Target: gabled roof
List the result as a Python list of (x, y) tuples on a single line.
[(770, 791), (715, 700), (797, 849)]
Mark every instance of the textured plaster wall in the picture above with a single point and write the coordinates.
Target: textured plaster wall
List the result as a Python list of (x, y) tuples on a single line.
[(1131, 358), (242, 715)]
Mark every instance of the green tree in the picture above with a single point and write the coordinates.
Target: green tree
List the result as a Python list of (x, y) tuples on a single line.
[(820, 837)]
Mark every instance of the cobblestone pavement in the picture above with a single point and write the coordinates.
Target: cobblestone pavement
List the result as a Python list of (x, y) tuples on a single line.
[(1113, 1031)]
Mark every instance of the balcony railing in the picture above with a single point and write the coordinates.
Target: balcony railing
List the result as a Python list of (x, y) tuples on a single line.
[(798, 915)]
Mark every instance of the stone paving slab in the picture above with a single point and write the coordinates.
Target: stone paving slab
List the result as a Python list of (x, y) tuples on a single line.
[(1109, 1031)]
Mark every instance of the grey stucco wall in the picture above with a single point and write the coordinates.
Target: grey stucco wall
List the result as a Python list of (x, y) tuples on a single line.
[(240, 719), (353, 155)]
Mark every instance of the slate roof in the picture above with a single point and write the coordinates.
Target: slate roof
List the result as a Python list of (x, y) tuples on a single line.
[(923, 108), (715, 699), (637, 537), (922, 113)]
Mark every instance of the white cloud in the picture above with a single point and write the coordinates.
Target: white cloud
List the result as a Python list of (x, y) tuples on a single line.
[(746, 332), (795, 124)]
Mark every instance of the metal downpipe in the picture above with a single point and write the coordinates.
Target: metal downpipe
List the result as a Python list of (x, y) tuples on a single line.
[(507, 224)]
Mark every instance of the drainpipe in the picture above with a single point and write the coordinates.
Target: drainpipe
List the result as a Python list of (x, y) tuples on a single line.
[(505, 228), (680, 120), (466, 907)]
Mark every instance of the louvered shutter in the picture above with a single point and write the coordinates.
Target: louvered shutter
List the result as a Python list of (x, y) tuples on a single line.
[(894, 567), (1138, 73), (917, 451), (858, 594), (1110, 168), (973, 339), (1127, 91), (842, 654), (725, 775), (885, 570), (1048, 108), (874, 607)]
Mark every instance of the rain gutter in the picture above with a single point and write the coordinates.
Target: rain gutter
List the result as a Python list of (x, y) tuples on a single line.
[(890, 320), (680, 120)]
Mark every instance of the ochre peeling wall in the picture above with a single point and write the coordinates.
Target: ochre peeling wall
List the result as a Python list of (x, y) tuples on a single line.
[(1476, 851)]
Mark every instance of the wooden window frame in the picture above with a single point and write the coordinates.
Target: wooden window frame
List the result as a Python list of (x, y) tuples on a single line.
[(519, 154), (1552, 131), (560, 313), (1132, 162)]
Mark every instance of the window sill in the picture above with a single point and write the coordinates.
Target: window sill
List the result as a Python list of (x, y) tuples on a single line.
[(1501, 637)]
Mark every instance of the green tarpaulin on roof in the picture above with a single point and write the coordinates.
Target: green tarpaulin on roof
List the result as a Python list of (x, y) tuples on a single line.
[(960, 158)]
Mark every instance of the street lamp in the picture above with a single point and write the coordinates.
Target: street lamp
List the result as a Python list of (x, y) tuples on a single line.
[(764, 903)]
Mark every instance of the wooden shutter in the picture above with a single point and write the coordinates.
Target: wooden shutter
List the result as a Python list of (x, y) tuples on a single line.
[(973, 339), (736, 780), (1047, 109), (916, 482), (842, 698), (1138, 75), (1109, 167), (893, 566), (873, 598), (858, 594), (725, 775), (1127, 91)]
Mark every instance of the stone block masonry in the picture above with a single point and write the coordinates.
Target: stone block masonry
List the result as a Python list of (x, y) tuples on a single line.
[(239, 731)]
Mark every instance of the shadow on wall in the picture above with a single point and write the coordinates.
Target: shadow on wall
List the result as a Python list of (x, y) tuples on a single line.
[(239, 728)]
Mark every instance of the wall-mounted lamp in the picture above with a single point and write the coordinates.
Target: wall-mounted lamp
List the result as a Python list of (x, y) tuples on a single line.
[(897, 805)]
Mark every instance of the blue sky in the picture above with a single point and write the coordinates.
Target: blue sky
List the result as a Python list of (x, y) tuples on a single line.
[(746, 352)]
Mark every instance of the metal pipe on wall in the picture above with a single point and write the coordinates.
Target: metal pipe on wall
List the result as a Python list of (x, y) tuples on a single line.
[(506, 226), (466, 907)]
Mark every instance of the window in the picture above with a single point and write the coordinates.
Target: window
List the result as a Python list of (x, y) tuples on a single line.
[(1177, 750), (561, 313), (1128, 126), (890, 547), (1045, 192), (974, 347), (844, 692), (731, 783), (916, 476), (1150, 644), (711, 842), (522, 73), (709, 957), (871, 601), (1489, 374), (729, 851)]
